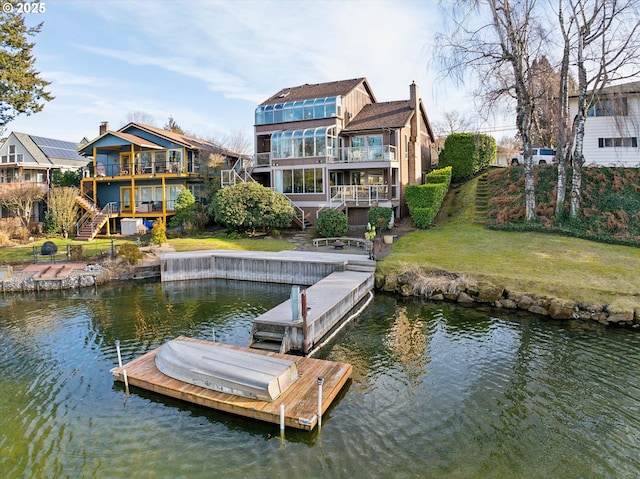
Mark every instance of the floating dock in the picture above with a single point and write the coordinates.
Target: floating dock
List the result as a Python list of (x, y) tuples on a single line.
[(300, 399)]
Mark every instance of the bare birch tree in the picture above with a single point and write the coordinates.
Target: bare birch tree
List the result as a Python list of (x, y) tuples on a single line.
[(497, 41), (606, 49)]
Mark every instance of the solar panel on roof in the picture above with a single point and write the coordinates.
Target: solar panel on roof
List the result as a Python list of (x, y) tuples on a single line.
[(57, 148)]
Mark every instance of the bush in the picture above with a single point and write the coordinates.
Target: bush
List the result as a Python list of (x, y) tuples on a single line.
[(76, 252), (246, 207), (424, 201), (380, 217), (159, 233), (467, 154), (130, 253), (332, 223), (50, 224)]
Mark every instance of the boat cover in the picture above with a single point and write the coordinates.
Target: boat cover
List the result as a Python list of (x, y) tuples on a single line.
[(232, 371)]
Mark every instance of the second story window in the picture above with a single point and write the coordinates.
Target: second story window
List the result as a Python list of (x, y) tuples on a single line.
[(609, 107)]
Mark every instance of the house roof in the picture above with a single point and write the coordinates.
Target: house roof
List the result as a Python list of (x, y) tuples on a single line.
[(392, 114), (49, 151), (318, 90), (628, 88)]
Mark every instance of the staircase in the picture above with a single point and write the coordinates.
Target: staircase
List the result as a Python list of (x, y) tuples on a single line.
[(482, 201), (270, 337), (92, 222)]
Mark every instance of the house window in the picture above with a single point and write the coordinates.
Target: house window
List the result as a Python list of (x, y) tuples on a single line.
[(4, 158), (628, 142), (311, 109), (12, 153), (302, 143), (302, 180), (609, 107)]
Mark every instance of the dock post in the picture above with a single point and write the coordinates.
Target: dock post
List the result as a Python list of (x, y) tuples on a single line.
[(320, 381), (118, 350), (213, 333), (282, 420), (126, 380), (295, 303)]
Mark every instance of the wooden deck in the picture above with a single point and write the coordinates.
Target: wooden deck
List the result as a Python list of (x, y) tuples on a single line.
[(300, 399)]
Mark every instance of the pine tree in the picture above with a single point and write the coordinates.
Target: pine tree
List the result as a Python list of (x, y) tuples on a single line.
[(21, 88)]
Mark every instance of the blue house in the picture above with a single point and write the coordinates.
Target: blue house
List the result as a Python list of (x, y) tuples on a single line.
[(138, 172)]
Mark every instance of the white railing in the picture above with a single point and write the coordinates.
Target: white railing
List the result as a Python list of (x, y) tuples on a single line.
[(359, 194), (359, 154)]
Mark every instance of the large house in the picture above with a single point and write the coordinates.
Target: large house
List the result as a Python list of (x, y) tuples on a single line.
[(137, 173), (332, 145), (31, 160), (612, 127)]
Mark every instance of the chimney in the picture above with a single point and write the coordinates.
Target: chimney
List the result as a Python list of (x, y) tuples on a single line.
[(413, 93), (104, 127)]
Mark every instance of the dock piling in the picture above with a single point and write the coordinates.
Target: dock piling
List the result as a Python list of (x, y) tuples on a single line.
[(126, 380), (282, 419), (320, 381), (118, 350)]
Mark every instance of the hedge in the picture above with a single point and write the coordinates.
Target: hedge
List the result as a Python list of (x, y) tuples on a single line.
[(424, 201), (468, 154)]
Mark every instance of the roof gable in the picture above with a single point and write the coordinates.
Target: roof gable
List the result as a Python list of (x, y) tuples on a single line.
[(374, 116), (46, 152), (318, 90)]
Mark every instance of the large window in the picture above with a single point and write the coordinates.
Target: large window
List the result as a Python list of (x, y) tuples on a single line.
[(609, 107), (303, 143), (301, 180), (311, 109), (629, 142)]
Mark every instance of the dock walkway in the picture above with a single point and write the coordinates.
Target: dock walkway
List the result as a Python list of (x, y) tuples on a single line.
[(300, 399)]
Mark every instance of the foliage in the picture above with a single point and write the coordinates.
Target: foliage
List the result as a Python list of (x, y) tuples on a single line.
[(68, 178), (185, 211), (380, 217), (76, 252), (50, 224), (370, 233), (129, 253), (11, 230), (21, 88), (332, 223), (424, 201), (467, 154), (159, 233), (20, 198), (611, 203), (173, 126), (249, 206), (63, 207)]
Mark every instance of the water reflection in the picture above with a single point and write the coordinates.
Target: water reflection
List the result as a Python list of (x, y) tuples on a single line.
[(437, 391)]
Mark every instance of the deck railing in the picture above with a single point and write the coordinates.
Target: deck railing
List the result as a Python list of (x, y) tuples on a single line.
[(359, 194)]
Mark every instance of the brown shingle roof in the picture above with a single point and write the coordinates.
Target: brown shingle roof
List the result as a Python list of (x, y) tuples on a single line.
[(318, 90), (392, 114)]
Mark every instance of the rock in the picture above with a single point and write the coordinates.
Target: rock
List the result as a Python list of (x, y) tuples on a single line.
[(560, 309), (506, 303), (437, 297), (536, 309), (464, 298), (620, 317), (489, 293)]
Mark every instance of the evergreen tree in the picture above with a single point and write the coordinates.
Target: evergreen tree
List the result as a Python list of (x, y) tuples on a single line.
[(173, 126), (21, 88)]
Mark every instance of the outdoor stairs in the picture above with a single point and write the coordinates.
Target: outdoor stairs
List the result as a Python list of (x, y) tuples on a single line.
[(482, 201), (85, 202), (91, 228), (363, 266), (269, 337)]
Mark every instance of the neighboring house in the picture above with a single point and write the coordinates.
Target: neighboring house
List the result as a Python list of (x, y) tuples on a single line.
[(332, 145), (30, 159), (612, 127), (137, 173)]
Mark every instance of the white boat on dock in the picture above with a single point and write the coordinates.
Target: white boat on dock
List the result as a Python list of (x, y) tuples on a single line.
[(231, 371)]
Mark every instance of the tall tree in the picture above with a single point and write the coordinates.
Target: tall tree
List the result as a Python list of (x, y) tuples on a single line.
[(139, 116), (497, 41), (20, 198), (606, 50), (173, 126), (64, 208), (22, 91)]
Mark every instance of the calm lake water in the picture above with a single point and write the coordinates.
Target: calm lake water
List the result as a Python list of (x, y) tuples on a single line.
[(437, 392)]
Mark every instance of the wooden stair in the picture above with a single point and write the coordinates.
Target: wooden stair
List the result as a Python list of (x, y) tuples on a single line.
[(92, 227), (269, 337), (482, 201)]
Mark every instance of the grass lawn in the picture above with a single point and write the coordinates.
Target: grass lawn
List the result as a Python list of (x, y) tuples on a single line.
[(538, 263), (222, 242)]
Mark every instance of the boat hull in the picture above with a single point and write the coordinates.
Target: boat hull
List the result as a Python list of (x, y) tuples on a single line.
[(215, 367)]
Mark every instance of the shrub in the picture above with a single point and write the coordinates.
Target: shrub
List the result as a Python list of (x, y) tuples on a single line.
[(159, 233), (380, 217), (76, 252), (468, 154), (332, 223), (424, 201), (246, 207), (130, 253), (50, 224)]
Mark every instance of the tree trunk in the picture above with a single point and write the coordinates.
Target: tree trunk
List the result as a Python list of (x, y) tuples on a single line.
[(578, 161)]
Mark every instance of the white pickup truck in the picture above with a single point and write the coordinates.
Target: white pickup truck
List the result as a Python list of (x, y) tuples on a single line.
[(541, 156)]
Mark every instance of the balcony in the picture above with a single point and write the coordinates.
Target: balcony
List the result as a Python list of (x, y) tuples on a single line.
[(359, 195), (383, 153), (114, 169)]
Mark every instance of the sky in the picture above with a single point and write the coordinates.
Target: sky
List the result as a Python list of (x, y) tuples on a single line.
[(209, 64)]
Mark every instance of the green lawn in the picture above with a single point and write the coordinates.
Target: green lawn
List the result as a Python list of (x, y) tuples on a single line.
[(539, 263)]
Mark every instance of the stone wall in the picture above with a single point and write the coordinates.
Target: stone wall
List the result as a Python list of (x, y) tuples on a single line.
[(444, 286)]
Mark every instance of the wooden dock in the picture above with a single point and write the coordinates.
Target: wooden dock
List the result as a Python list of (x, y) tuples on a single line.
[(300, 399)]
